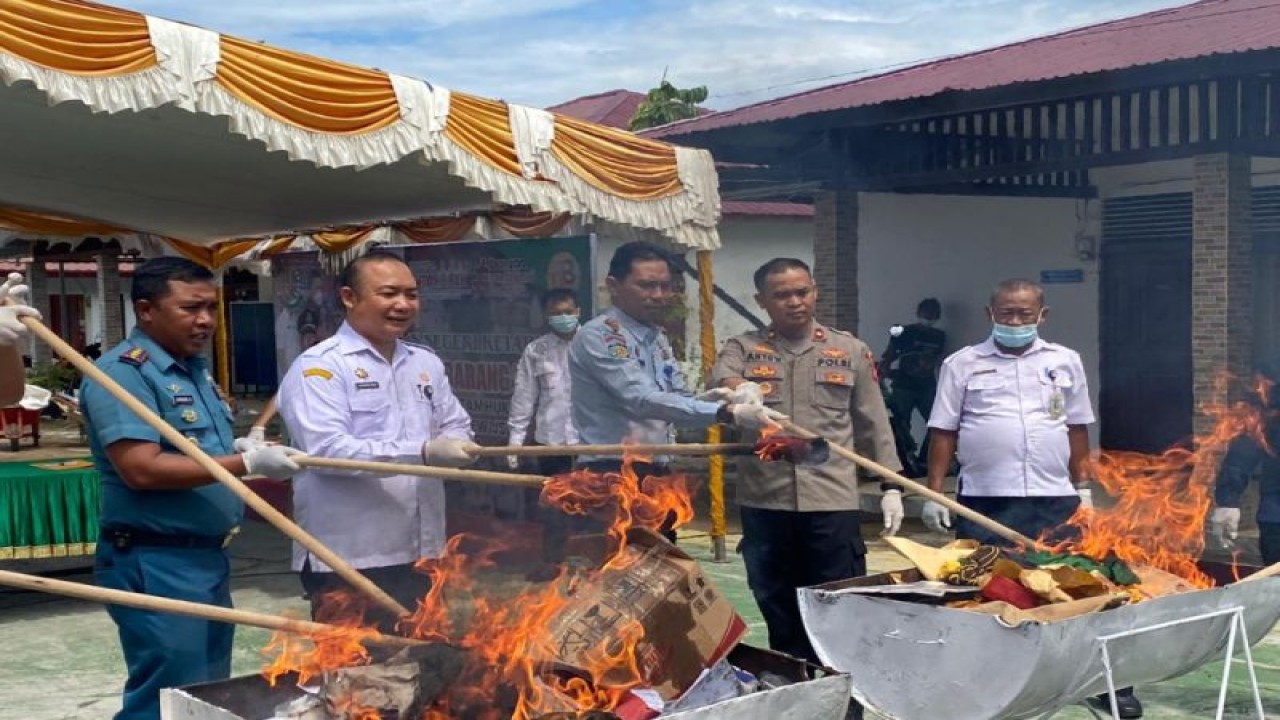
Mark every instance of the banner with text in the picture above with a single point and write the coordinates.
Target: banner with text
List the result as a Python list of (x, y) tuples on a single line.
[(480, 307)]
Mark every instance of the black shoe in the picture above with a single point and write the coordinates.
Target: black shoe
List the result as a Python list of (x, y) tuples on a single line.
[(1126, 702)]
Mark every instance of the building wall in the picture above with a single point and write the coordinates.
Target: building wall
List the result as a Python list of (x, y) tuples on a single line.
[(87, 287), (955, 248)]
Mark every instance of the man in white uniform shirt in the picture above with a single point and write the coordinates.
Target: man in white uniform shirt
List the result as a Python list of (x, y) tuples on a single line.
[(542, 395), (1015, 411), (541, 391), (365, 394)]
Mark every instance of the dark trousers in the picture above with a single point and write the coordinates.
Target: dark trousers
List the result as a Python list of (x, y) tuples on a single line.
[(401, 582), (905, 399), (1030, 516), (642, 471), (1269, 542), (785, 550), (163, 650), (556, 524)]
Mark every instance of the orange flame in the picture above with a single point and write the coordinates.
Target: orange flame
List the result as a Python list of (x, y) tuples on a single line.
[(1162, 501), (511, 667)]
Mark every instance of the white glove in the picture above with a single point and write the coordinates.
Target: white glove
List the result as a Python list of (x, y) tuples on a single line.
[(1225, 525), (257, 437), (755, 417), (13, 305), (891, 508), (273, 461), (13, 290), (513, 462), (1086, 497), (449, 452), (715, 395), (747, 393), (936, 517)]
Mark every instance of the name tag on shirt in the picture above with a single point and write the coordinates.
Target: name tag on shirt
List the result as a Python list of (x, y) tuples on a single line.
[(367, 385), (184, 400)]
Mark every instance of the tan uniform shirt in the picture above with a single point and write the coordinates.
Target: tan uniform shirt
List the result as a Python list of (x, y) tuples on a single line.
[(828, 385)]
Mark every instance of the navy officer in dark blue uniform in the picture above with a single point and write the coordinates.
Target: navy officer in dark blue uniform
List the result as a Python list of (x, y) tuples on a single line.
[(165, 520)]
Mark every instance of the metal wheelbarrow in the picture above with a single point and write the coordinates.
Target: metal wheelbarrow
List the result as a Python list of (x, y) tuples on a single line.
[(915, 661)]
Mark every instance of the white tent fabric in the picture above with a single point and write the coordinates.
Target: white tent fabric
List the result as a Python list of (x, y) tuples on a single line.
[(169, 151)]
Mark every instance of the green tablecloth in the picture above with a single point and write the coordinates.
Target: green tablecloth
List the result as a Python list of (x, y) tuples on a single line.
[(48, 509)]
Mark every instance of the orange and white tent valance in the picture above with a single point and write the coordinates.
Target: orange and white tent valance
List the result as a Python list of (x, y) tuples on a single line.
[(337, 116)]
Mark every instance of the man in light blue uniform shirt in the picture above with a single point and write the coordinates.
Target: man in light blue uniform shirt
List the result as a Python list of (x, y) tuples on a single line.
[(626, 384), (165, 520)]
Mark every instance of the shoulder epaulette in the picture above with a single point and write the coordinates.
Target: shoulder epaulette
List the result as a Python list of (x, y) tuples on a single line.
[(134, 356)]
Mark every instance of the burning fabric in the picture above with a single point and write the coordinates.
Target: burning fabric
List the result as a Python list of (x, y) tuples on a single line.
[(645, 620)]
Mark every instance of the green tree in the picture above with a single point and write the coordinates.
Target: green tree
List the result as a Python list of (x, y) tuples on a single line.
[(667, 104)]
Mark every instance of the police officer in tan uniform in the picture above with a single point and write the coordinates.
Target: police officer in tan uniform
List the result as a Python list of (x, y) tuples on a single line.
[(800, 524)]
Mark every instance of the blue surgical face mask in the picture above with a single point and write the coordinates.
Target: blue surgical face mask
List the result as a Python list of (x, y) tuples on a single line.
[(1015, 336), (563, 324)]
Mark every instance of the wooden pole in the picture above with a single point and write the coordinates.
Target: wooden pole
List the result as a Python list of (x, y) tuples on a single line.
[(153, 603), (707, 355), (221, 474), (653, 449), (1269, 571), (1003, 531), (444, 473)]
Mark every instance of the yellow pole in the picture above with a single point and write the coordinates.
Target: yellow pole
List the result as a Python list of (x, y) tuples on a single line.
[(707, 342), (220, 340)]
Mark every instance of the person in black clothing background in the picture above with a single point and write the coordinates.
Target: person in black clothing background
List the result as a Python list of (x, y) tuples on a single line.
[(1243, 458), (917, 349)]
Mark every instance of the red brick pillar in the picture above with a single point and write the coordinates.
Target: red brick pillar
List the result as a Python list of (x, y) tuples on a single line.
[(835, 258), (1221, 275)]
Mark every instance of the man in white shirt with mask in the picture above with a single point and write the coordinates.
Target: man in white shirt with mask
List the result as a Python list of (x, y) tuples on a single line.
[(541, 392), (1015, 410), (541, 395)]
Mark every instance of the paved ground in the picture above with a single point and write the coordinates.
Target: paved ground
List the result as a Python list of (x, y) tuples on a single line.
[(60, 659)]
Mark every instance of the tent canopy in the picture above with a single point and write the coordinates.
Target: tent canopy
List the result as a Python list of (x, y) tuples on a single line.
[(169, 129)]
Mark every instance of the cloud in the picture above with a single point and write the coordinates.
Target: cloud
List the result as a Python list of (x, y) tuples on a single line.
[(540, 52)]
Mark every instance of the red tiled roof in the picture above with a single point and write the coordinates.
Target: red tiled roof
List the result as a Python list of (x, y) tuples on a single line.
[(1210, 27), (614, 108), (772, 209)]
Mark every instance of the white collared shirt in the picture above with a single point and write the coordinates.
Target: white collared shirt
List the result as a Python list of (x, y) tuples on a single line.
[(342, 399), (542, 394), (1012, 413)]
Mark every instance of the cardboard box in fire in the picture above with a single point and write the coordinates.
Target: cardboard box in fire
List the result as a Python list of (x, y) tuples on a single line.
[(688, 624)]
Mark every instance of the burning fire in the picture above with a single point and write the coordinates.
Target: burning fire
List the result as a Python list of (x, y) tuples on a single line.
[(510, 668), (1162, 501)]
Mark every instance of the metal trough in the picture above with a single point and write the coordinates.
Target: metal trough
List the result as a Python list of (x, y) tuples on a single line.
[(825, 698), (914, 661)]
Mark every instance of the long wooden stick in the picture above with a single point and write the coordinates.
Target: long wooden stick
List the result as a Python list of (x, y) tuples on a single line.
[(1003, 531), (181, 607), (444, 473), (221, 474), (664, 449), (1269, 571)]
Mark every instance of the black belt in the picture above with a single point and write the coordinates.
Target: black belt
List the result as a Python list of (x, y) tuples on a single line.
[(124, 538)]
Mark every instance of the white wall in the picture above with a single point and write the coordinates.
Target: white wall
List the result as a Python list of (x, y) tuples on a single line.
[(955, 248)]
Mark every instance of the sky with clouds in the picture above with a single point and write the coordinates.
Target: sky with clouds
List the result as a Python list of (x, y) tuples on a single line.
[(541, 52)]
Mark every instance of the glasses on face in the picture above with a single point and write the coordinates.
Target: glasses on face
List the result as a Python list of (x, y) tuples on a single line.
[(1023, 316)]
